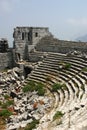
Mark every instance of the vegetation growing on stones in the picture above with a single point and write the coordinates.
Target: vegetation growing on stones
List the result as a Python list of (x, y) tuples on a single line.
[(33, 86), (5, 113), (32, 125), (58, 115), (7, 104), (6, 96), (5, 108), (82, 87), (64, 87), (84, 69), (65, 65), (58, 86), (48, 78), (76, 85)]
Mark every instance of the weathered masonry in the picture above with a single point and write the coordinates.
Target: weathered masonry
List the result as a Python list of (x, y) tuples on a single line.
[(6, 55), (3, 45), (25, 38), (51, 44), (31, 42)]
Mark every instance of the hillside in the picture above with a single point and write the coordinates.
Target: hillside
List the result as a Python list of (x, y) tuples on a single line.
[(82, 38)]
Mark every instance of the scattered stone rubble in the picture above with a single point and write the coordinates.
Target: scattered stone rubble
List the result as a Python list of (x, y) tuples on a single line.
[(77, 53), (27, 106)]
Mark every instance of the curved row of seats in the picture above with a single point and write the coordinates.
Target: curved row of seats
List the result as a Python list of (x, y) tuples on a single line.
[(62, 75), (50, 72)]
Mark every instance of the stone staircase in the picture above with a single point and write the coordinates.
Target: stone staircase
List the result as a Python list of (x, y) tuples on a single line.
[(72, 100)]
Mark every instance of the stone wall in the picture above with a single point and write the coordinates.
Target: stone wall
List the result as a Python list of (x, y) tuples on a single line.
[(36, 56), (6, 60), (50, 44), (3, 45), (25, 38), (38, 33)]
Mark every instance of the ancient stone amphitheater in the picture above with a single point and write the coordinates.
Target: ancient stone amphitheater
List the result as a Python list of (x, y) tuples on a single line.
[(61, 66), (68, 69), (70, 100)]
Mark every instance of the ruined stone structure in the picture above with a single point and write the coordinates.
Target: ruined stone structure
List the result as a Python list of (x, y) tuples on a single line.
[(62, 103), (6, 60), (51, 44), (29, 40), (25, 38), (3, 45), (6, 55)]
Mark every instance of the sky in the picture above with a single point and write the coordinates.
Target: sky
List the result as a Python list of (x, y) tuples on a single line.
[(66, 19)]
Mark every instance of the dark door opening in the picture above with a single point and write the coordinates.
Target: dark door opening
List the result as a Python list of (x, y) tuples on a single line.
[(27, 70)]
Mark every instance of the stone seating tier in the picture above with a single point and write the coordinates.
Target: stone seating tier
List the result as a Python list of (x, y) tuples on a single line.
[(49, 72)]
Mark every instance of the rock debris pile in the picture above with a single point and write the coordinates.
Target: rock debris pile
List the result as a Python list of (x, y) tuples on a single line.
[(24, 107)]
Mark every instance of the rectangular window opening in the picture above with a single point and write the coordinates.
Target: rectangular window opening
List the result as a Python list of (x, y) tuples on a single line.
[(22, 35)]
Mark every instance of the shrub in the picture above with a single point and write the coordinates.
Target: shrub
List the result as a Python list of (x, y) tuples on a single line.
[(64, 86), (33, 86), (41, 92), (5, 113), (84, 69), (39, 85), (32, 125), (48, 78), (32, 83), (4, 105), (26, 88), (58, 115), (7, 103), (6, 96), (40, 89), (29, 87), (67, 66), (10, 102), (56, 86)]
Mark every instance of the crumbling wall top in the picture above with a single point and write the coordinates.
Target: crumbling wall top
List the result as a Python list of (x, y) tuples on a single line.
[(3, 45)]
